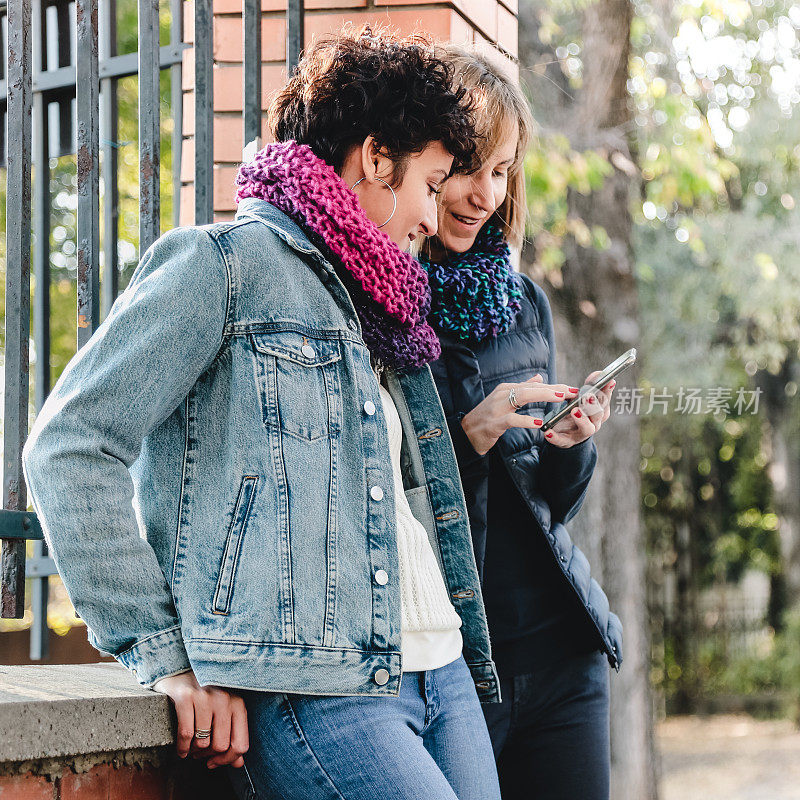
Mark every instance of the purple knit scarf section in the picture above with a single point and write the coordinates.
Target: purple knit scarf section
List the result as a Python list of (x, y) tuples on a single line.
[(392, 296)]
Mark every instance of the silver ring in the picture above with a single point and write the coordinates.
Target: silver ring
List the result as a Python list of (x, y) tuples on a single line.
[(202, 734), (394, 196), (512, 398)]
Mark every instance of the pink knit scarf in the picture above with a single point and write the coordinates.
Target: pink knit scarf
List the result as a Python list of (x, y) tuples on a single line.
[(389, 287)]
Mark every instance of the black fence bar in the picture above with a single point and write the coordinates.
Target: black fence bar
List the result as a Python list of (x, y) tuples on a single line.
[(203, 113), (109, 132), (251, 67), (295, 33), (176, 89), (65, 58), (18, 301), (88, 158), (41, 222), (149, 126), (114, 67), (39, 645)]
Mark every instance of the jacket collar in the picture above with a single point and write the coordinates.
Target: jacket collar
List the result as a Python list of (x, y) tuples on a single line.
[(283, 226)]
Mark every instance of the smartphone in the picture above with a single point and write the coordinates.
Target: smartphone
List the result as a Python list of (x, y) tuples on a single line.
[(608, 374)]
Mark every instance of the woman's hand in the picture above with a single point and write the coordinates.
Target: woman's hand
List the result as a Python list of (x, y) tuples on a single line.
[(207, 708), (586, 419), (494, 415)]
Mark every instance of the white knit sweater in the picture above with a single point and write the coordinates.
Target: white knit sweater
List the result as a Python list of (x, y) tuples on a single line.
[(430, 624)]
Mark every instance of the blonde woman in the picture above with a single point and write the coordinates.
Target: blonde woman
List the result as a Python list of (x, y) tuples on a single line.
[(551, 630)]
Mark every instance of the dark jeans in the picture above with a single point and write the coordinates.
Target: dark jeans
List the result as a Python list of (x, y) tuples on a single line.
[(551, 732)]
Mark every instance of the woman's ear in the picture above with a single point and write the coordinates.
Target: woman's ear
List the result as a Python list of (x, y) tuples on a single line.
[(375, 163)]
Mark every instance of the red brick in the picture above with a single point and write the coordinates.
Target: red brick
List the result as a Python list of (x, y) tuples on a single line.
[(228, 39), (132, 783), (187, 70), (26, 787), (435, 22), (187, 160), (92, 785), (224, 188), (228, 84), (228, 144), (336, 4), (187, 204), (507, 31), (235, 6), (480, 13), (188, 21), (188, 113), (461, 32)]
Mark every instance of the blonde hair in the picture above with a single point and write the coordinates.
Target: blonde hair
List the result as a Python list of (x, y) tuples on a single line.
[(500, 110)]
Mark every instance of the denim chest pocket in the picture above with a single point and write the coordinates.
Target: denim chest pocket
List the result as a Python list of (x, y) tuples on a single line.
[(298, 378)]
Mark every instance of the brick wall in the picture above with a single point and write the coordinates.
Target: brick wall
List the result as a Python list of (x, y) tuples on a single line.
[(163, 780), (487, 23)]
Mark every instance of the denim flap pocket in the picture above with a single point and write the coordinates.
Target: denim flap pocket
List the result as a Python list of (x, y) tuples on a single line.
[(299, 383), (298, 348)]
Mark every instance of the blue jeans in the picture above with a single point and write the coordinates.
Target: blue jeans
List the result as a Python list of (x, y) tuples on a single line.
[(429, 742), (551, 732)]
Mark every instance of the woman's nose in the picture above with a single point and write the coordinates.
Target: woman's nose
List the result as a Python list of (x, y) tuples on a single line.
[(480, 189), (430, 223)]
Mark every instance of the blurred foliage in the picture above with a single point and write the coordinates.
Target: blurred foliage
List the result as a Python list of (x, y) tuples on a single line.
[(552, 168), (714, 88), (708, 471), (769, 676)]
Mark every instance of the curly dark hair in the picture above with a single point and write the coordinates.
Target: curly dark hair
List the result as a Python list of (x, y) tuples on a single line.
[(355, 84)]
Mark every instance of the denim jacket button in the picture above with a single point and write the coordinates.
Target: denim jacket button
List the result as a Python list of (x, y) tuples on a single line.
[(369, 407), (376, 493), (308, 351), (382, 577), (381, 677)]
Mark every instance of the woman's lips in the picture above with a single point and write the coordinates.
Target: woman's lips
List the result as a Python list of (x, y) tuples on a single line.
[(468, 222)]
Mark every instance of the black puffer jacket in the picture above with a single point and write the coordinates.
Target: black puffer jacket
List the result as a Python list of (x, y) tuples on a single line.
[(551, 480)]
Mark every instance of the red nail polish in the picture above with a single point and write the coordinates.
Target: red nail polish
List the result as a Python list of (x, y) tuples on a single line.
[(537, 421), (591, 399), (548, 435), (578, 413), (573, 388), (559, 394)]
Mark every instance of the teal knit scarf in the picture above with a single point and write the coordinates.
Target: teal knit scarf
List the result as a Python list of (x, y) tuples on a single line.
[(475, 295)]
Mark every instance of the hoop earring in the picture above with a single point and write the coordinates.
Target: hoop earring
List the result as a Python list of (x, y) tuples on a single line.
[(394, 196)]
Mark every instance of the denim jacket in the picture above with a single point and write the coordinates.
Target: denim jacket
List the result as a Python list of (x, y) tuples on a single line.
[(212, 474)]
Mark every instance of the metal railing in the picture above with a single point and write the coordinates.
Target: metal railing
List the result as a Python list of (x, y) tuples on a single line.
[(90, 74)]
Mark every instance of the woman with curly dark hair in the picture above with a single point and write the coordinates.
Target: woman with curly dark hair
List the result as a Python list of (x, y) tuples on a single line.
[(270, 527)]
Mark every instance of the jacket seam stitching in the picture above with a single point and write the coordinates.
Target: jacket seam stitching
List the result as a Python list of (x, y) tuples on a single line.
[(146, 639), (180, 498)]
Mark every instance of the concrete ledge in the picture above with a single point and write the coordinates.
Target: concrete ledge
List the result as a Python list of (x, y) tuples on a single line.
[(57, 711)]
